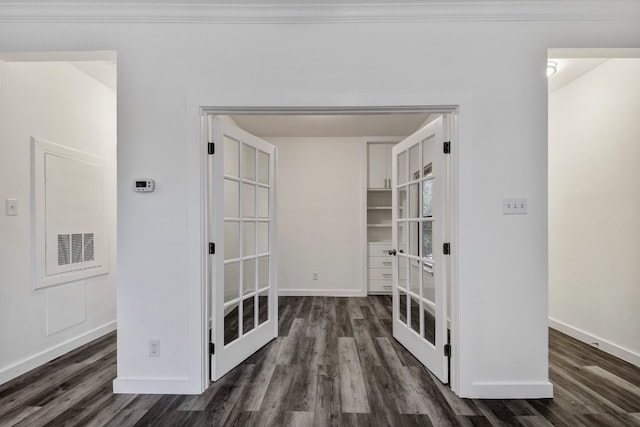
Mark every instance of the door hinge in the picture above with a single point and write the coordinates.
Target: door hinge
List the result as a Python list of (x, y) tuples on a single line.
[(212, 248), (446, 248), (212, 348), (447, 350), (447, 147), (211, 148)]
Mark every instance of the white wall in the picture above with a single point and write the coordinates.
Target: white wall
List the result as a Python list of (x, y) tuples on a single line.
[(594, 207), (319, 206), (57, 102), (494, 69)]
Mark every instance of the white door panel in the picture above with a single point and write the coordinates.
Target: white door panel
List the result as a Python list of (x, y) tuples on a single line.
[(419, 224), (242, 226)]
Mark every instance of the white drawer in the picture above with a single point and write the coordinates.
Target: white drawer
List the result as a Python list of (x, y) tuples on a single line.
[(380, 274), (379, 286), (379, 249), (380, 262)]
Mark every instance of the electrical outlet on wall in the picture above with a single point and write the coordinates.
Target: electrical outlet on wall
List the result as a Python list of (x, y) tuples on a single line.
[(154, 348)]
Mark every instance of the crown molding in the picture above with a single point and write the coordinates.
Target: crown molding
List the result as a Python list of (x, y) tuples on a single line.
[(437, 11)]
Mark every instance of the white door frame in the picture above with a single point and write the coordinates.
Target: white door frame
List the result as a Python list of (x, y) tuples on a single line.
[(451, 110)]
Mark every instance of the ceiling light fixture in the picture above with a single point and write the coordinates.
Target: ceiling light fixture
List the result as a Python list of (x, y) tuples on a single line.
[(552, 67)]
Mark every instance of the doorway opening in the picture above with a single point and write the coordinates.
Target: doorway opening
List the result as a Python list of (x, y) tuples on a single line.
[(58, 173), (594, 199), (321, 172)]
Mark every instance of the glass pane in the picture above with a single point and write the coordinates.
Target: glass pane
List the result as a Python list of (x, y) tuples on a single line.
[(231, 157), (403, 265), (402, 167), (231, 199), (248, 314), (263, 307), (402, 306), (248, 276), (402, 202), (231, 326), (428, 284), (428, 303), (414, 162), (248, 238), (248, 162), (248, 201), (414, 276), (263, 272), (402, 237), (231, 240), (414, 238), (231, 281), (427, 240), (415, 315), (263, 202), (263, 237), (427, 187), (427, 155), (429, 324), (414, 201), (263, 168)]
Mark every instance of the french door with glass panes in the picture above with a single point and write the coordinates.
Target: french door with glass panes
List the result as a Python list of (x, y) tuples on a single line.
[(241, 224), (418, 228)]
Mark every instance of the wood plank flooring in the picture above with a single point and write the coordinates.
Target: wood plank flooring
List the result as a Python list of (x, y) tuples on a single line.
[(334, 363)]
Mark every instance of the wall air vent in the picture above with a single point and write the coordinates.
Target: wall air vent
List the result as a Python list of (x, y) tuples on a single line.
[(88, 247), (63, 249), (76, 248)]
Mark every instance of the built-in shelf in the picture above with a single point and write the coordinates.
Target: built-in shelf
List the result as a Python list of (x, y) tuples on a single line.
[(379, 189), (379, 208), (378, 225)]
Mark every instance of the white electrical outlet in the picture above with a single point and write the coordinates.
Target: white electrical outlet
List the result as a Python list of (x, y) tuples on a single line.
[(154, 348), (514, 206), (315, 275)]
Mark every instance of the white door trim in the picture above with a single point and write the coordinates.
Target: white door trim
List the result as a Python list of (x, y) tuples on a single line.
[(451, 110)]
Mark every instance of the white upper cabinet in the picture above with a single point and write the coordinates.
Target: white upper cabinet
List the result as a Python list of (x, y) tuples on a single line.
[(379, 167)]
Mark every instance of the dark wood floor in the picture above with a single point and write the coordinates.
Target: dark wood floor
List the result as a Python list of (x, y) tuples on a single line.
[(334, 363)]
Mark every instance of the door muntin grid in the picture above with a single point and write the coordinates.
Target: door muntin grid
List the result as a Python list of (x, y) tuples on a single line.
[(247, 234), (416, 190)]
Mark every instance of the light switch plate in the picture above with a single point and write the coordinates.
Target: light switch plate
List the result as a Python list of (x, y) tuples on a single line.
[(11, 207), (514, 206)]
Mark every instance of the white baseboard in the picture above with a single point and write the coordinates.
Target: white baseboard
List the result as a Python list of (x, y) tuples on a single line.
[(31, 362), (604, 345), (180, 385), (321, 293), (511, 390)]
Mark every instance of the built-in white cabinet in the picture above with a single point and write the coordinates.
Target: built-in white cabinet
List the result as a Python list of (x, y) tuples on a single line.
[(379, 272), (379, 166), (379, 262)]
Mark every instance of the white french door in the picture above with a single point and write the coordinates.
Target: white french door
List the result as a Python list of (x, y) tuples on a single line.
[(419, 224), (242, 227)]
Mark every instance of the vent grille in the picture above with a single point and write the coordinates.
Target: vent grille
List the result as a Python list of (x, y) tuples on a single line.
[(76, 248), (63, 249), (88, 247)]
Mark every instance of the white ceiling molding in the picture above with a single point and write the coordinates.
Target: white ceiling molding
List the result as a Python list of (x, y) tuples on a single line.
[(292, 12)]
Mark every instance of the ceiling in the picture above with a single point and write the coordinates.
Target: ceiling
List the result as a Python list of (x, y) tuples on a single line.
[(570, 69), (338, 125)]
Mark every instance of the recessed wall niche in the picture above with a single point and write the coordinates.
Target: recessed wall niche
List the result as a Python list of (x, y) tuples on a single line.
[(70, 240)]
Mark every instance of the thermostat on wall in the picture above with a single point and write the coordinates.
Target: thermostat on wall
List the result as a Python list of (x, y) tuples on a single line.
[(144, 185)]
